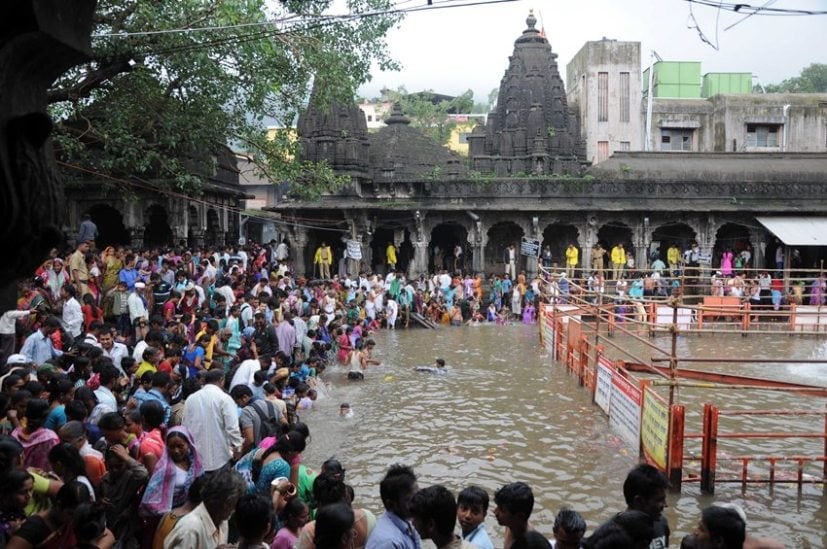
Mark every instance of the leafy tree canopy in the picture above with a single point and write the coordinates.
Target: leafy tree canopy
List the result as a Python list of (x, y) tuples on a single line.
[(170, 80), (430, 111), (812, 79)]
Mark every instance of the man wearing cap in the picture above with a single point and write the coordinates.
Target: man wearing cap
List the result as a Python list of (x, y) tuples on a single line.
[(38, 347), (7, 331), (211, 415), (137, 304), (78, 271)]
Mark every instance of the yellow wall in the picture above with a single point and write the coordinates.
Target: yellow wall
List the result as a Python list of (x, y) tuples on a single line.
[(453, 141)]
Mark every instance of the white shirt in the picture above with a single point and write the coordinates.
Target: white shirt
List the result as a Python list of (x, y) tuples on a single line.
[(245, 372), (8, 319), (72, 317), (196, 529), (117, 353), (106, 398), (281, 252), (138, 351), (137, 309), (227, 292), (211, 415)]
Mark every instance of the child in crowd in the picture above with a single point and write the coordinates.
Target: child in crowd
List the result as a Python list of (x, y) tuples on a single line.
[(345, 410), (472, 506)]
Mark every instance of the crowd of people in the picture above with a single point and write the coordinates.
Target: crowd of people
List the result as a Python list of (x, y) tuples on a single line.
[(153, 399)]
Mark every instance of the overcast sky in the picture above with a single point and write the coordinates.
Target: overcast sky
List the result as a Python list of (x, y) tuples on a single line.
[(452, 50)]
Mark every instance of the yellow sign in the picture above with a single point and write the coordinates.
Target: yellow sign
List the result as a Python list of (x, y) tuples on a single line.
[(654, 429)]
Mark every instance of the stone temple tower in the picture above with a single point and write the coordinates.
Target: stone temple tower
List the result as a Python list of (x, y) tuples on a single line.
[(531, 131)]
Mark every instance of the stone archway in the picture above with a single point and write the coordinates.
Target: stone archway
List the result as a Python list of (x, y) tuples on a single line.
[(558, 236), (500, 236), (668, 234), (333, 237), (382, 236), (111, 229), (613, 233), (157, 231), (213, 234), (444, 237), (730, 236)]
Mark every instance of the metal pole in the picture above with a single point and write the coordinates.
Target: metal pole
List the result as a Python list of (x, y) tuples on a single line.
[(673, 355)]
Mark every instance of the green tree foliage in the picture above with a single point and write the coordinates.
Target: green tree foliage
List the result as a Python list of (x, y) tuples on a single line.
[(812, 79), (170, 80), (427, 111)]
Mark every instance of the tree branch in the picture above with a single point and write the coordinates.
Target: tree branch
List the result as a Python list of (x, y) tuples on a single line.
[(92, 81)]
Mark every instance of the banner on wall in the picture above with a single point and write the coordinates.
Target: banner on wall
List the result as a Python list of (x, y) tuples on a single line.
[(354, 250), (624, 409), (603, 388), (654, 429)]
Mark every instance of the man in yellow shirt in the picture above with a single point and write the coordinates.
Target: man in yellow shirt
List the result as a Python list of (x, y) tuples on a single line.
[(673, 258), (572, 259), (212, 331), (149, 361), (390, 256), (618, 260), (323, 258)]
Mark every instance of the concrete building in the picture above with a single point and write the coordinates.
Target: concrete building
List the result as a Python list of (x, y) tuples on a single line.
[(603, 86), (794, 122), (375, 113)]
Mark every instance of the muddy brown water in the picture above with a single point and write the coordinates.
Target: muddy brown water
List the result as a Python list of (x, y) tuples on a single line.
[(506, 412)]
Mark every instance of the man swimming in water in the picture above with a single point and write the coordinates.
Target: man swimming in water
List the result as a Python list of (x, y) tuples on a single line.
[(439, 368)]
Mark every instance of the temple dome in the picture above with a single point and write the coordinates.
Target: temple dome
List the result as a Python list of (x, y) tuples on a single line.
[(401, 152), (531, 130)]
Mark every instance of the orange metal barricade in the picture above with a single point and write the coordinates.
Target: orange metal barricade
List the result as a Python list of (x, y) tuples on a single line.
[(712, 435)]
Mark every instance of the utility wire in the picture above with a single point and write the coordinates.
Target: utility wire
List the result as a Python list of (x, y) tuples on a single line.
[(293, 19)]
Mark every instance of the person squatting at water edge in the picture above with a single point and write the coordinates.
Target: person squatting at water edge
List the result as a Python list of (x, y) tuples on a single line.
[(168, 412)]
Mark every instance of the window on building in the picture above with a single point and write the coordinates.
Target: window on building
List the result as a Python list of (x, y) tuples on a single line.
[(370, 118), (602, 150), (603, 97), (763, 135), (624, 97), (676, 139), (463, 138), (625, 146)]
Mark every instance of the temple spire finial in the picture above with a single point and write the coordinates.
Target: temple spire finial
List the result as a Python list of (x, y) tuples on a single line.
[(531, 20)]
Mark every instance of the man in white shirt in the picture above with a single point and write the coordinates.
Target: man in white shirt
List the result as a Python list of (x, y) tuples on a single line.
[(7, 331), (282, 251), (211, 415), (106, 398), (205, 527), (137, 304), (247, 369), (114, 350), (72, 315)]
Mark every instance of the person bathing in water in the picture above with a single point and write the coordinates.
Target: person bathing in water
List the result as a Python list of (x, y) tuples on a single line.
[(438, 368)]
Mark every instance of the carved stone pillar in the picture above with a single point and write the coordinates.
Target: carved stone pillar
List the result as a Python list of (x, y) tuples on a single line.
[(531, 261), (299, 240), (589, 240), (758, 241), (419, 265), (197, 234), (136, 237)]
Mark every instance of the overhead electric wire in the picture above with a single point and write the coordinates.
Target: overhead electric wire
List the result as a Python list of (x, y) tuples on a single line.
[(756, 10), (294, 19)]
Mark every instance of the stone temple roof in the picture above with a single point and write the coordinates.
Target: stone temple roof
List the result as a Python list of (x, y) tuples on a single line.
[(531, 129), (337, 134), (400, 152), (727, 167)]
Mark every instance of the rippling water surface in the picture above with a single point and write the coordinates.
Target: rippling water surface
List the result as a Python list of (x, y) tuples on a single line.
[(506, 412)]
